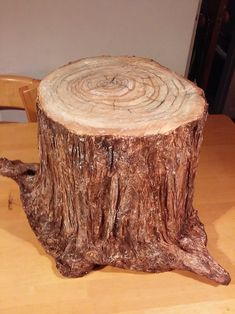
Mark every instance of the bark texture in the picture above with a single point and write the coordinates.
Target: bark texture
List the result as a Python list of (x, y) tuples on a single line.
[(117, 200)]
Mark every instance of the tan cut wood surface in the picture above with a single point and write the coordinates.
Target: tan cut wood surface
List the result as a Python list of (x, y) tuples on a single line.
[(119, 96), (29, 279)]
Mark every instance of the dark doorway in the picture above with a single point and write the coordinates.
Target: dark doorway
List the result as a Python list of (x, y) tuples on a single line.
[(212, 64)]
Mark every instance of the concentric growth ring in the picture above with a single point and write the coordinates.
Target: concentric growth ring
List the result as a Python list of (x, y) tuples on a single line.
[(119, 95)]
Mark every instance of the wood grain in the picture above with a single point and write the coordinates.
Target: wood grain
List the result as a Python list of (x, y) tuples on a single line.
[(119, 96)]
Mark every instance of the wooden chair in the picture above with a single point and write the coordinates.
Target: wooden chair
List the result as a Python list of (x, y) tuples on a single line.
[(29, 97), (19, 92)]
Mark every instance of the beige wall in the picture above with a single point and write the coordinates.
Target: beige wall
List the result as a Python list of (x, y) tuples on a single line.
[(38, 36)]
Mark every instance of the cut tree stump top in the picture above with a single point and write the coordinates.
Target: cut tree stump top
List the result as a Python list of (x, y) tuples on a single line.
[(119, 96)]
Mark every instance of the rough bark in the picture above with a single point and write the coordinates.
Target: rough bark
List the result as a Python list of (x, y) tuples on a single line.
[(122, 198)]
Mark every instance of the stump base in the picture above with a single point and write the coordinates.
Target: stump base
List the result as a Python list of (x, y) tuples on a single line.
[(74, 259)]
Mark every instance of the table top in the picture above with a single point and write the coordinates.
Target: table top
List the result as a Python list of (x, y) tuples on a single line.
[(30, 283)]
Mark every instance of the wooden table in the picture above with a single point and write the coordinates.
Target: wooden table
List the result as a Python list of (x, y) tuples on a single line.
[(30, 283)]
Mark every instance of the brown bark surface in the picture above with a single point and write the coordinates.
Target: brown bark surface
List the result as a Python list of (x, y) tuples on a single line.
[(120, 195)]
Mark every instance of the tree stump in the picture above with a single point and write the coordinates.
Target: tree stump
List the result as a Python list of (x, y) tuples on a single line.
[(119, 141)]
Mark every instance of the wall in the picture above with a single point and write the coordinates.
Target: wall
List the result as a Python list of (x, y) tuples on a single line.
[(38, 36)]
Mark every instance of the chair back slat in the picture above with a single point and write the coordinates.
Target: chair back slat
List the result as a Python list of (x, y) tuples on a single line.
[(19, 92), (29, 97)]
